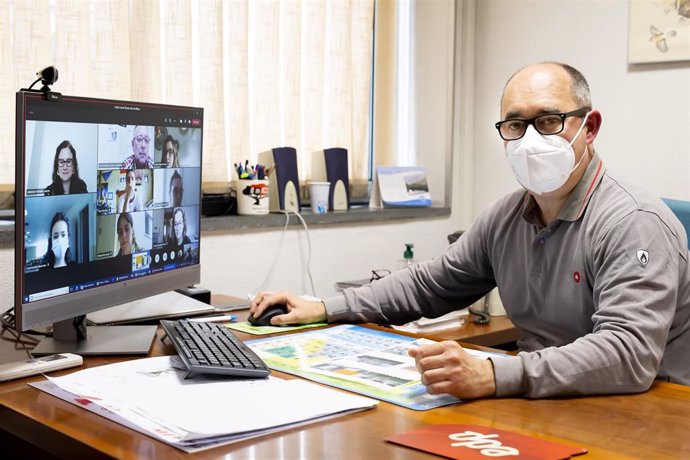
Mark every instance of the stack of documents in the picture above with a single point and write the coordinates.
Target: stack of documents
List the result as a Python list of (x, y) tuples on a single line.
[(151, 396)]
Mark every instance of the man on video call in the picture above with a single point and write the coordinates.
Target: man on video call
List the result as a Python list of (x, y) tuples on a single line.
[(140, 158), (593, 270), (176, 190)]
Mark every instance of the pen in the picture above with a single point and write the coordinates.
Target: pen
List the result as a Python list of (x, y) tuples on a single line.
[(214, 319)]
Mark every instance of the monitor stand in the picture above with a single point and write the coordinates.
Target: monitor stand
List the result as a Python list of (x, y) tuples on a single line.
[(72, 336)]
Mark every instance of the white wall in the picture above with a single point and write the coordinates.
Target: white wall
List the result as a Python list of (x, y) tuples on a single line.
[(645, 134), (238, 263)]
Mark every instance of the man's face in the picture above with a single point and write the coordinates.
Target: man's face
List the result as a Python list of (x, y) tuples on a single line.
[(169, 151), (541, 89), (140, 145), (176, 192)]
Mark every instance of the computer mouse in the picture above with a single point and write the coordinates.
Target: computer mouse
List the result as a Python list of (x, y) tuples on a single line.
[(264, 319)]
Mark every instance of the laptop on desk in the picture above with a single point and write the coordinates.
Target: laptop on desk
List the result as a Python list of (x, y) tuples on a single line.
[(168, 305)]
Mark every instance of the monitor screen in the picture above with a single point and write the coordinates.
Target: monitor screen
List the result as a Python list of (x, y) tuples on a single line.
[(108, 196)]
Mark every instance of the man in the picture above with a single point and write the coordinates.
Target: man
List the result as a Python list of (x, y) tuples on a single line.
[(140, 158), (176, 190), (591, 269)]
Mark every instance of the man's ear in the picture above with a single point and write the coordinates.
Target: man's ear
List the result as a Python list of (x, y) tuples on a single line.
[(593, 124)]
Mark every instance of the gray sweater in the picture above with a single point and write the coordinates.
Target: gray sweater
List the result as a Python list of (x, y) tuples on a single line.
[(601, 296)]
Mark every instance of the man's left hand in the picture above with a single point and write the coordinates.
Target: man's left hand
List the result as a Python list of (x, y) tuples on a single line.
[(447, 368)]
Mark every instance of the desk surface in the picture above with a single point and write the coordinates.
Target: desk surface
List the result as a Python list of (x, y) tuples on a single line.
[(648, 425)]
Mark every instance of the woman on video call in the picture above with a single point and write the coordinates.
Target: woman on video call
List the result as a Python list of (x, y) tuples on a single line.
[(59, 254), (66, 178), (171, 149), (179, 234), (125, 235), (129, 200)]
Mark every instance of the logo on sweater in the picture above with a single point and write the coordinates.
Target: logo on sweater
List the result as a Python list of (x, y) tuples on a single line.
[(642, 256)]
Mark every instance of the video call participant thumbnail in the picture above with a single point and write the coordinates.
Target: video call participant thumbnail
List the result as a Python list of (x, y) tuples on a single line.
[(176, 187), (58, 254), (176, 190), (65, 176), (171, 152), (58, 230), (177, 147), (179, 235), (140, 158), (129, 200), (126, 235)]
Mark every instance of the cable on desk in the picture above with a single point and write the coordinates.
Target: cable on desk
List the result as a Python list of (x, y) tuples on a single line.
[(22, 341)]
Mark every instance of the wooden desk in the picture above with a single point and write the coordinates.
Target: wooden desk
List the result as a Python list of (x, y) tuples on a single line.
[(499, 331), (648, 425)]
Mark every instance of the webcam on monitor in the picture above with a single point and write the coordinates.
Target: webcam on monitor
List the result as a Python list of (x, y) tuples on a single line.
[(47, 77)]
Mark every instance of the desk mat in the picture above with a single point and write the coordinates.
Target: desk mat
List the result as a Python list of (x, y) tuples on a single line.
[(366, 361)]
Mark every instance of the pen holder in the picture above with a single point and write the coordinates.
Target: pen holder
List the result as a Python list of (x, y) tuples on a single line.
[(252, 197)]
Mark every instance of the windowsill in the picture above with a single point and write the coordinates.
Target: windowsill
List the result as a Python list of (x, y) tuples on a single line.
[(362, 214)]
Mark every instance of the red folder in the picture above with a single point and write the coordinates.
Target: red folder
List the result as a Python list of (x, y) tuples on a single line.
[(482, 442)]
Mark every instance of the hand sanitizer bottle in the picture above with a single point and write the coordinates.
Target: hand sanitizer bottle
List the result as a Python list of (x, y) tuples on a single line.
[(408, 257)]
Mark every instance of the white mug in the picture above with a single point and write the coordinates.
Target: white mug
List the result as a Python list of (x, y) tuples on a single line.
[(252, 197)]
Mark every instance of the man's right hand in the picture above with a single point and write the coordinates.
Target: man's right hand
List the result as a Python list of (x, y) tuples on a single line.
[(300, 311)]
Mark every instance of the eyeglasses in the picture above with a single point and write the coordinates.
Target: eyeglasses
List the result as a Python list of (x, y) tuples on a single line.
[(142, 139), (67, 162), (378, 274), (546, 124)]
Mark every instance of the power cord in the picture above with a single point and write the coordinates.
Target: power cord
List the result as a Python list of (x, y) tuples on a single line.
[(280, 247), (22, 340), (306, 230), (481, 317), (269, 275)]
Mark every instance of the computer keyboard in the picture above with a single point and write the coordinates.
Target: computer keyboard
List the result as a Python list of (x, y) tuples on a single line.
[(213, 349)]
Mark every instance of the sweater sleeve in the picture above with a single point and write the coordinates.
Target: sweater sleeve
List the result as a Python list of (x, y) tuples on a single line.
[(449, 282)]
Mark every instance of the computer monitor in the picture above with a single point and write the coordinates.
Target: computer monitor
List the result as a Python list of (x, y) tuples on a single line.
[(108, 198)]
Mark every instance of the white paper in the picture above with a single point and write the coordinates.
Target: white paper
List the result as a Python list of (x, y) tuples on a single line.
[(453, 319), (150, 395)]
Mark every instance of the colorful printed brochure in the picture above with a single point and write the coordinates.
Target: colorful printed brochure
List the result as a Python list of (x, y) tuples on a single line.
[(355, 358)]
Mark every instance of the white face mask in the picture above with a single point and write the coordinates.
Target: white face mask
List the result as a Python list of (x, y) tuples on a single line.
[(540, 163), (59, 248)]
